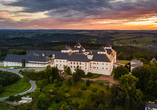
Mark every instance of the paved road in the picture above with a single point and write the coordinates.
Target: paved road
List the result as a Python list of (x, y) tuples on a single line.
[(33, 85)]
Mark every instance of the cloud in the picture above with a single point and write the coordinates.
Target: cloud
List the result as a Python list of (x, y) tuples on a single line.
[(89, 9)]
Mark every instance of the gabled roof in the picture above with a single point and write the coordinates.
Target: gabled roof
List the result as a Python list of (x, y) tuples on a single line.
[(101, 58), (78, 57), (107, 45), (102, 49), (15, 58), (18, 58), (136, 61), (153, 60), (32, 54), (65, 48), (78, 44)]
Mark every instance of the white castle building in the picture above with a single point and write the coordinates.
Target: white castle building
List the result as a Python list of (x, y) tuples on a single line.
[(96, 61)]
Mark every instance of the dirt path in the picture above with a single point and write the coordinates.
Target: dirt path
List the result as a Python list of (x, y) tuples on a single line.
[(103, 77)]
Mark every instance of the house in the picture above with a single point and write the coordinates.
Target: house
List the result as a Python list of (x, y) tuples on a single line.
[(96, 61), (153, 60), (135, 63), (150, 106)]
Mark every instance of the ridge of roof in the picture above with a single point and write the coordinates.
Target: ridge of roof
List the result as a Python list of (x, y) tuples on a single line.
[(102, 49)]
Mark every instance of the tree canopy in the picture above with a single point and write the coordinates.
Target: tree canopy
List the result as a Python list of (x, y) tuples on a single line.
[(119, 71)]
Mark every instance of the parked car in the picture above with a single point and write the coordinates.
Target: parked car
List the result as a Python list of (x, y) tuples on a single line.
[(31, 70), (25, 69), (11, 68)]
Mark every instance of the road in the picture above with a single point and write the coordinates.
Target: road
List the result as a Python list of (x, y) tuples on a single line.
[(33, 85)]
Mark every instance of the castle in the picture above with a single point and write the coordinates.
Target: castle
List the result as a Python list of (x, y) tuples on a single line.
[(96, 61)]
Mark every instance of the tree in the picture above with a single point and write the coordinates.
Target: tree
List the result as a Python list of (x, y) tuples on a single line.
[(143, 60), (77, 75), (43, 102), (1, 89), (125, 91), (147, 79), (68, 71), (69, 81), (128, 86), (88, 83), (52, 73), (121, 56), (11, 98), (127, 103), (119, 71), (23, 63)]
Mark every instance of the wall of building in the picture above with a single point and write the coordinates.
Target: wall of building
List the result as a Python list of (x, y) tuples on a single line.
[(12, 63), (60, 63), (99, 67)]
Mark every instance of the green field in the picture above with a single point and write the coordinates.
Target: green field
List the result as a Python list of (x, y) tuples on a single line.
[(123, 62), (16, 88), (140, 41)]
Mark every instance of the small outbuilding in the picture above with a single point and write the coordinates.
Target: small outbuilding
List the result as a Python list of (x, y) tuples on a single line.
[(135, 63)]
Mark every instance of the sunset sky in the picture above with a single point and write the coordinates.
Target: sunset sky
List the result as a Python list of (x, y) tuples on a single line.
[(79, 14)]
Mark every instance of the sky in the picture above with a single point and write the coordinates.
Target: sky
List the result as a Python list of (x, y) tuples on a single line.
[(79, 14)]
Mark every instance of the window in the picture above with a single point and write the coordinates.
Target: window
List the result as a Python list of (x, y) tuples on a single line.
[(106, 63), (56, 60), (56, 64), (94, 63), (102, 67), (71, 66), (71, 62), (60, 61), (106, 68), (102, 63), (97, 67)]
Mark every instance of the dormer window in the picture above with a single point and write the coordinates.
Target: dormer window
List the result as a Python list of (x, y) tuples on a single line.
[(90, 55), (43, 54)]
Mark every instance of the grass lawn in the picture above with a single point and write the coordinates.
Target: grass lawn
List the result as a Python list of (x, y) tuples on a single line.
[(93, 76), (103, 80), (123, 62), (15, 67), (16, 88)]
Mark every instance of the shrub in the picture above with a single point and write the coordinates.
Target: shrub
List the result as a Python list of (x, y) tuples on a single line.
[(88, 83), (78, 93), (44, 82), (83, 87), (60, 96), (89, 74), (66, 89), (94, 89), (58, 84), (11, 98)]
